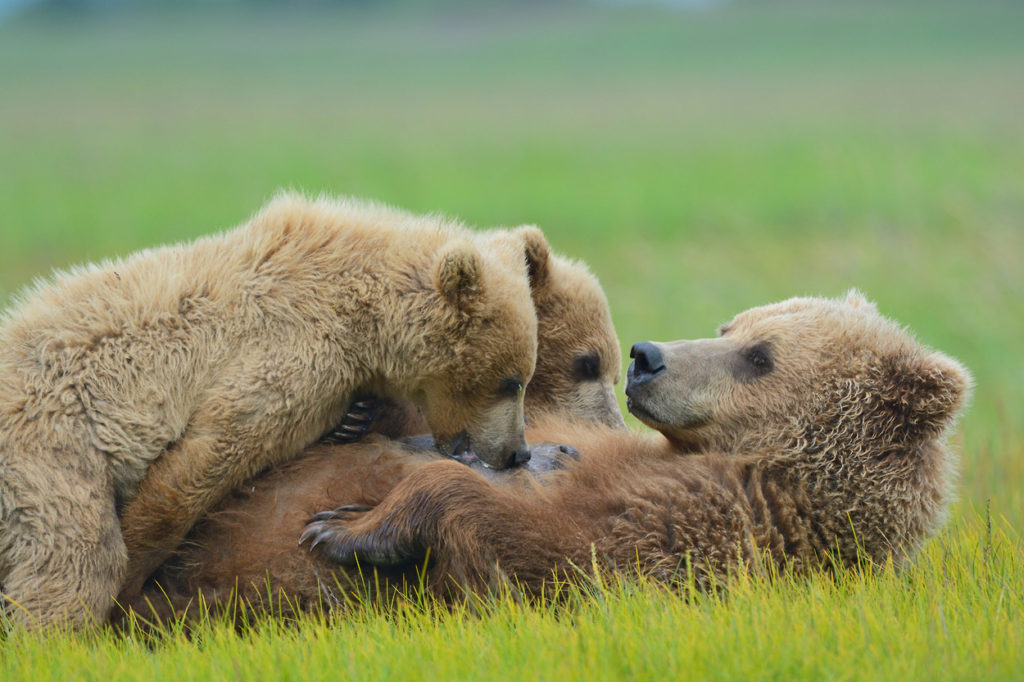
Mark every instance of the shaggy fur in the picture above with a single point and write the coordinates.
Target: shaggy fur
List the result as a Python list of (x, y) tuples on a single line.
[(835, 450), (834, 446), (153, 385)]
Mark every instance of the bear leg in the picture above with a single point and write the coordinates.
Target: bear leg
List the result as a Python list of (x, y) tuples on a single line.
[(445, 510), (66, 558), (227, 443)]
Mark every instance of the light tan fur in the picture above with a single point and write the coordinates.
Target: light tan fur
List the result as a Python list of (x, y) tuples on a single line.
[(578, 356), (152, 385)]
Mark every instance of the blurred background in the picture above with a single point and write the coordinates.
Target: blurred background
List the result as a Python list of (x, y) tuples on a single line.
[(702, 156)]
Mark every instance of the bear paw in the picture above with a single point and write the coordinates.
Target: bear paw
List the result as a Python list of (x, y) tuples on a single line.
[(344, 536)]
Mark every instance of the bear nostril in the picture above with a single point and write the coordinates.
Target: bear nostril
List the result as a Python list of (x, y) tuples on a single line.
[(646, 358), (519, 457)]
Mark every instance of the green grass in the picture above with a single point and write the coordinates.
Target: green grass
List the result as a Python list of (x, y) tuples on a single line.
[(702, 163), (954, 615)]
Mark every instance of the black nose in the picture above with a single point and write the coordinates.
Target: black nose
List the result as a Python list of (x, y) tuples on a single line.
[(519, 457), (647, 361)]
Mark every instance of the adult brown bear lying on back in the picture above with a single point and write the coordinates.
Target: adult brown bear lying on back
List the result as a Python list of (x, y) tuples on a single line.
[(817, 426), (810, 427)]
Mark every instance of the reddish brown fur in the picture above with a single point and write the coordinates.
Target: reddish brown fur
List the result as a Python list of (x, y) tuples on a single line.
[(838, 449), (226, 556)]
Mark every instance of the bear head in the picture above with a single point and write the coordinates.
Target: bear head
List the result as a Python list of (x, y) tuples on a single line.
[(484, 345), (805, 373), (829, 396), (578, 356)]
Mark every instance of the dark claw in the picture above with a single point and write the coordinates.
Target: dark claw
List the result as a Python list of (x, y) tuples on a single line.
[(310, 530), (338, 541), (346, 433), (321, 536), (339, 512), (341, 545), (317, 522), (356, 422), (317, 531)]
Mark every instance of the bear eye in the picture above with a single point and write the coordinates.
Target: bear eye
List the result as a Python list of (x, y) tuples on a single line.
[(510, 387), (586, 367), (760, 358)]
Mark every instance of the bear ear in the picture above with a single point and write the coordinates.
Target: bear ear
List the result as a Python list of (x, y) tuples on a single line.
[(538, 255), (858, 300), (459, 275), (925, 393)]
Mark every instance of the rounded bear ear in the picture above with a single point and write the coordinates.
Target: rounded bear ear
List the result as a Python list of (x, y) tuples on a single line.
[(459, 275), (538, 255), (858, 300), (925, 393)]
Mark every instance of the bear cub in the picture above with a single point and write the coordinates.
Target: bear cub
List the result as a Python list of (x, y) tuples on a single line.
[(134, 394)]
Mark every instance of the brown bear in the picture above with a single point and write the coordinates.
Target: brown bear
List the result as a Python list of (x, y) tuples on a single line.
[(817, 431), (577, 367), (813, 427), (150, 386)]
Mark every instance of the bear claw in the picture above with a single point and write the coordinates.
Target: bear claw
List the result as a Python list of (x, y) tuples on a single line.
[(337, 542), (339, 512), (356, 423)]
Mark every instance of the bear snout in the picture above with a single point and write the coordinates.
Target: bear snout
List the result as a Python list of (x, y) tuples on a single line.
[(647, 362), (519, 456)]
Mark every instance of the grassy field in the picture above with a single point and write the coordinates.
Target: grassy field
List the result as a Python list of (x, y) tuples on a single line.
[(701, 162)]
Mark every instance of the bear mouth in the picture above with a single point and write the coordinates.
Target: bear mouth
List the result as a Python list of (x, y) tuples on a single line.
[(686, 419), (640, 413), (469, 458), (461, 450)]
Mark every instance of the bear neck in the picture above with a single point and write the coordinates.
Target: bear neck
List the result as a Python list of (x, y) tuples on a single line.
[(844, 502)]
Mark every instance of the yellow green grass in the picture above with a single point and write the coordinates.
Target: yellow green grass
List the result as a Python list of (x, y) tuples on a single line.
[(954, 615), (700, 162)]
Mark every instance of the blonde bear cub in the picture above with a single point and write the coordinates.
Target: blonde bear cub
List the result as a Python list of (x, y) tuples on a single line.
[(148, 387)]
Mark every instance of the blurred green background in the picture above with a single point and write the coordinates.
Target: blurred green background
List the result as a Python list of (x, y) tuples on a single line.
[(701, 157)]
